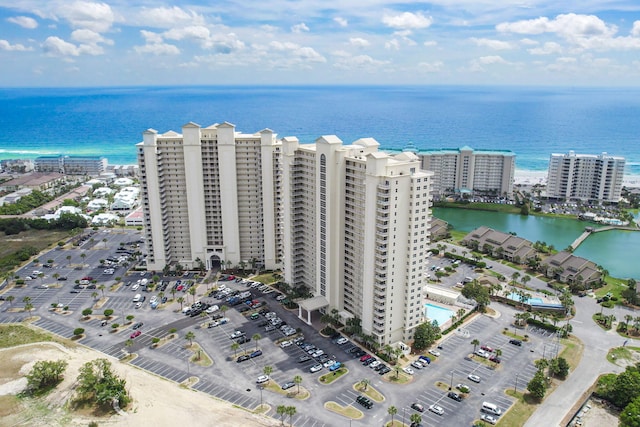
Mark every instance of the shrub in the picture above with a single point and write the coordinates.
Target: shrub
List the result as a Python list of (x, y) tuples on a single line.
[(78, 331), (608, 304)]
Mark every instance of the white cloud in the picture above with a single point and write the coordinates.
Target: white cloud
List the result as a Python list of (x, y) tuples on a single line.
[(635, 31), (407, 21), (341, 21), (392, 44), (94, 16), (430, 43), (157, 49), (24, 22), (169, 17), (90, 42), (492, 59), (528, 42), (295, 55), (357, 62), (548, 48), (359, 42), (151, 37), (566, 59), (6, 46), (194, 32), (55, 46), (569, 25), (299, 28), (430, 67), (492, 44)]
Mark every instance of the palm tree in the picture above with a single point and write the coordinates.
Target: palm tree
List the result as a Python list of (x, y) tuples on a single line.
[(461, 313), (192, 292), (297, 380), (173, 293), (11, 298), (181, 300), (291, 411), (365, 383), (396, 369), (267, 370), (128, 343), (190, 336), (101, 288), (498, 354), (83, 256), (514, 277), (55, 276), (105, 242), (68, 259), (224, 309), (416, 418), (256, 337), (475, 344), (525, 279), (392, 411), (627, 318), (636, 321), (235, 346), (281, 409), (94, 295)]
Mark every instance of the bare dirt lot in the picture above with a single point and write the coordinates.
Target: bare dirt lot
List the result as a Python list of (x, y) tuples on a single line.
[(156, 402)]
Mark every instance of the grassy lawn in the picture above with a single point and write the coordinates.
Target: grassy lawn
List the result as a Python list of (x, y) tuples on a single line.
[(266, 278), (395, 423), (200, 357), (13, 335), (371, 392), (348, 411), (493, 207), (573, 349), (625, 354), (613, 285), (521, 410), (596, 317), (38, 239), (509, 333), (401, 378), (332, 376)]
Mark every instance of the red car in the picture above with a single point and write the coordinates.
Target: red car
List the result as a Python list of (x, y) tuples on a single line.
[(180, 287), (135, 334), (487, 348), (365, 357)]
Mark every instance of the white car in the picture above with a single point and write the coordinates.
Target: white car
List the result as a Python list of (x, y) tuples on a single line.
[(474, 378), (436, 409), (482, 353), (408, 370), (135, 287), (435, 353), (285, 344), (315, 368), (236, 334), (212, 309), (138, 304), (153, 299), (374, 364), (342, 340), (489, 418), (262, 379), (417, 364), (329, 363)]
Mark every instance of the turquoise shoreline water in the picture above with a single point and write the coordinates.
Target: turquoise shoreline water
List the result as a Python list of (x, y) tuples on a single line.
[(532, 122)]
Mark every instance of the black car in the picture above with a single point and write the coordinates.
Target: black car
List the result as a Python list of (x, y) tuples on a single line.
[(304, 358), (62, 278), (243, 339), (516, 342), (138, 325), (263, 323), (418, 407), (364, 402), (455, 396), (243, 358), (163, 300)]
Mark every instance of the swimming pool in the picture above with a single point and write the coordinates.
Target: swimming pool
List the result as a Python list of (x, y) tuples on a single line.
[(440, 314), (531, 301)]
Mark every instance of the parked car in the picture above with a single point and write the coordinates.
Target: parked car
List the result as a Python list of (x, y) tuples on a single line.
[(137, 325), (287, 385), (335, 366), (455, 396), (285, 344), (515, 342), (364, 401), (135, 334), (315, 368), (417, 364), (256, 354), (434, 352), (304, 358), (489, 419), (342, 340), (438, 410), (408, 370), (474, 378), (487, 348), (424, 360), (236, 334), (262, 379), (418, 407), (243, 358)]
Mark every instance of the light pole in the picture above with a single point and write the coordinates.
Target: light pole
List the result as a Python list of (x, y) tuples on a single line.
[(515, 387), (451, 383)]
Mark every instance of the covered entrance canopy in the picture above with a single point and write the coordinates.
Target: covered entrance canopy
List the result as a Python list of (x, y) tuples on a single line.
[(311, 304)]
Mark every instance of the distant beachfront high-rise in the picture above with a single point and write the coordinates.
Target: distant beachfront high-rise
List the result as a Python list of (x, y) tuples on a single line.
[(347, 222), (72, 165), (585, 177), (473, 172)]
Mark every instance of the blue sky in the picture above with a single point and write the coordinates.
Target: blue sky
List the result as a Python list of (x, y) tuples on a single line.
[(145, 42)]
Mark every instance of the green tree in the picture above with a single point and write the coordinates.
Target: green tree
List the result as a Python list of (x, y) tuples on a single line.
[(297, 380), (425, 335), (181, 301), (475, 343), (267, 370), (256, 337), (78, 331), (108, 312), (87, 312), (630, 415), (291, 411), (235, 347), (98, 383), (475, 291), (282, 411), (538, 385), (392, 411), (364, 383), (189, 336), (626, 387), (415, 419), (45, 374), (101, 289), (130, 317)]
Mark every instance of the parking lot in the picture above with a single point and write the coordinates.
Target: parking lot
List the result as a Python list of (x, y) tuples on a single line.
[(236, 382)]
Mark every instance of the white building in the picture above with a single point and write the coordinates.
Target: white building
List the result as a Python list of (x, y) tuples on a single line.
[(585, 177), (469, 171), (211, 194), (356, 226)]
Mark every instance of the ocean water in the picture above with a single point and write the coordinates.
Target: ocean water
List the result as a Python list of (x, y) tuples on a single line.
[(532, 122)]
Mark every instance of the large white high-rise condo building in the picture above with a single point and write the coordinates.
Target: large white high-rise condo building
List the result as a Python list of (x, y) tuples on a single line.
[(348, 222), (356, 231), (468, 171), (210, 195), (585, 177)]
